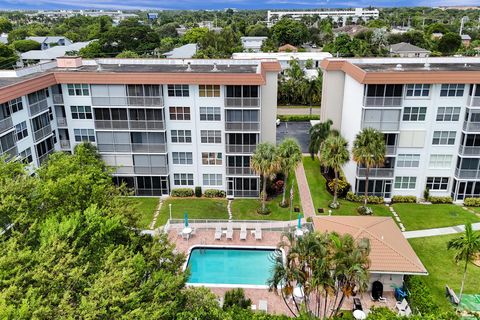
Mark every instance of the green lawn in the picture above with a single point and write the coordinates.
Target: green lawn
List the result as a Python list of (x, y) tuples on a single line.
[(322, 198), (442, 269), (297, 106), (146, 209), (421, 216)]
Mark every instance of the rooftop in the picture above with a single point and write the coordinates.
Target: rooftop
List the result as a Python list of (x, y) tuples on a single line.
[(54, 52), (282, 55), (184, 52), (406, 47)]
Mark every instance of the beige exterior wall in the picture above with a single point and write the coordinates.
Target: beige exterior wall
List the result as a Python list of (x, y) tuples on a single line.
[(389, 281), (269, 108), (332, 97)]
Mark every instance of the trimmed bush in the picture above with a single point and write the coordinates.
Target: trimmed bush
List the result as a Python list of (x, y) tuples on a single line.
[(342, 187), (364, 211), (198, 192), (426, 194), (293, 118), (472, 202), (371, 199), (440, 200), (420, 296), (214, 193), (182, 192), (236, 298), (404, 199)]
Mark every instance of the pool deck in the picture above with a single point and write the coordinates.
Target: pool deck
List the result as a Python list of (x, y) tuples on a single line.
[(275, 303)]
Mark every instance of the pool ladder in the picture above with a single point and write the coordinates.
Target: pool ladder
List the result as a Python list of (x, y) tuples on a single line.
[(204, 242)]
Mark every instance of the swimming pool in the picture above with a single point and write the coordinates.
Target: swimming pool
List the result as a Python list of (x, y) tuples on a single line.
[(221, 266)]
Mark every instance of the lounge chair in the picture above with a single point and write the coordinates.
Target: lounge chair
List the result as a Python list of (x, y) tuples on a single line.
[(258, 233), (406, 313), (218, 233), (230, 232), (401, 306), (263, 305), (243, 232)]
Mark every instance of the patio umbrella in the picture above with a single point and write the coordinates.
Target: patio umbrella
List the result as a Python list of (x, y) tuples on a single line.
[(299, 224), (185, 217)]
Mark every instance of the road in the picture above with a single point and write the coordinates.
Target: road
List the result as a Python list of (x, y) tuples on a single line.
[(297, 130)]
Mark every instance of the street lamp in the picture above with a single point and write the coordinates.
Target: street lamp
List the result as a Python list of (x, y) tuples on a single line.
[(170, 208)]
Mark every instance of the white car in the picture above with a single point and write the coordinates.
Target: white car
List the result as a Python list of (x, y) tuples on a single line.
[(277, 122)]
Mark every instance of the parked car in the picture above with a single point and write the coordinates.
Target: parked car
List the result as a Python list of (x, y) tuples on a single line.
[(278, 122)]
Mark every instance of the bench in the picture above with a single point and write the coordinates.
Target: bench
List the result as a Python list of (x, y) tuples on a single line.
[(451, 295)]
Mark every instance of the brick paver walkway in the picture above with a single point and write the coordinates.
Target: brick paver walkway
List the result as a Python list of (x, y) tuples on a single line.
[(304, 190)]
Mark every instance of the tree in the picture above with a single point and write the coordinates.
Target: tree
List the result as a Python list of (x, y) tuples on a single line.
[(318, 133), (127, 54), (25, 45), (313, 90), (334, 155), (5, 25), (290, 155), (257, 30), (93, 50), (466, 248), (289, 31), (8, 58), (17, 34), (194, 35), (168, 30), (265, 163), (368, 151), (449, 43)]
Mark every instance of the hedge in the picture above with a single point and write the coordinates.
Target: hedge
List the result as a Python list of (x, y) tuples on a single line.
[(371, 199), (298, 117), (214, 193), (182, 192), (404, 199), (437, 200), (472, 202)]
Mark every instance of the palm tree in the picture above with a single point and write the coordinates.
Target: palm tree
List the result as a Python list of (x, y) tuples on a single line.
[(313, 90), (466, 249), (290, 155), (265, 163), (369, 150), (318, 134), (334, 154)]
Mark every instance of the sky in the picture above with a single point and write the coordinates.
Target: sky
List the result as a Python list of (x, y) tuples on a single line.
[(218, 4)]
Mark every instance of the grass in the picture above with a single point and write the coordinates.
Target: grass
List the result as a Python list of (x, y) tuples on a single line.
[(420, 216), (146, 207), (297, 106), (322, 198), (442, 269)]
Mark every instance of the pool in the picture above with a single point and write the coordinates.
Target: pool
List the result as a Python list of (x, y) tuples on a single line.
[(221, 266)]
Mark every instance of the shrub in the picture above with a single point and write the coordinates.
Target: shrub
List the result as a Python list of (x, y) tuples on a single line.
[(342, 187), (371, 199), (472, 202), (420, 296), (214, 193), (182, 192), (305, 117), (426, 194), (198, 192), (437, 200), (364, 211), (236, 298), (404, 199), (309, 219), (263, 212)]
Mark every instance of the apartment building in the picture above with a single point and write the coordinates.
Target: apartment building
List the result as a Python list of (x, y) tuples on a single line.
[(429, 112), (163, 124)]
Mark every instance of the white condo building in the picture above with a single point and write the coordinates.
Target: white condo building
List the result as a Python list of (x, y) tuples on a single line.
[(429, 112), (164, 124)]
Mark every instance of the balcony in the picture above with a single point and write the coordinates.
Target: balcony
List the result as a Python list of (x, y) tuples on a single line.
[(242, 126), (117, 147), (111, 124), (376, 172), (471, 126), (44, 157), (42, 133), (37, 107), (128, 101), (382, 125), (57, 98), (151, 170), (61, 121), (65, 144), (10, 153), (245, 193), (469, 150), (234, 102), (241, 148), (473, 101), (391, 150), (395, 102), (147, 125), (6, 124), (467, 173), (240, 171), (149, 147)]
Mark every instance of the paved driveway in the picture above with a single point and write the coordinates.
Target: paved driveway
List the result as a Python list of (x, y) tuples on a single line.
[(297, 130)]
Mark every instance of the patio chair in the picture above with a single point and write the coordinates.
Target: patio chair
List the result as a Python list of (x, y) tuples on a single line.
[(218, 233), (243, 232), (263, 305), (229, 232), (406, 313), (258, 233), (401, 306)]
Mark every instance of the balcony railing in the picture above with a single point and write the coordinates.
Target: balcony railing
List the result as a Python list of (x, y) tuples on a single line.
[(149, 147), (240, 171), (240, 148), (471, 126), (117, 147), (133, 147), (383, 102), (382, 125), (151, 192), (391, 150), (128, 101), (6, 124), (61, 121), (111, 124), (245, 193), (57, 98), (10, 153), (150, 170), (376, 172), (37, 107), (147, 124), (42, 133), (232, 102), (65, 144), (242, 126), (467, 173), (44, 157), (473, 101), (469, 150)]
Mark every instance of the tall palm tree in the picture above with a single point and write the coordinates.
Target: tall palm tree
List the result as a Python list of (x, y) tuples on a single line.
[(265, 163), (313, 90), (369, 150), (290, 155), (318, 134), (335, 155), (466, 249)]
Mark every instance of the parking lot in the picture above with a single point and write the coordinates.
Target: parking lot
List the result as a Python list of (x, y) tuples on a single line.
[(297, 130)]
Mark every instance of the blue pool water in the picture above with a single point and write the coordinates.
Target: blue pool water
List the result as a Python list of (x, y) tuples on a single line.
[(230, 266)]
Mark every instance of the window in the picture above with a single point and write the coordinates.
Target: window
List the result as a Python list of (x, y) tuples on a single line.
[(448, 114), (437, 183), (242, 91), (210, 114), (212, 158), (212, 180), (444, 137), (7, 142), (405, 182), (408, 160), (21, 130), (78, 89), (84, 135), (179, 113), (143, 90), (452, 90), (16, 104), (40, 122), (440, 161), (37, 96), (81, 112), (182, 158), (181, 136), (178, 90), (26, 156), (208, 90), (183, 179), (418, 90), (414, 113), (211, 136)]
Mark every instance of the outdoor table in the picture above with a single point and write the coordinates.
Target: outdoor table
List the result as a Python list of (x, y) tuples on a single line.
[(298, 232), (359, 314), (187, 231)]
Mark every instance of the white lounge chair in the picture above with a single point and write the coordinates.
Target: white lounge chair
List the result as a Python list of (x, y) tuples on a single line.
[(258, 233), (243, 232), (262, 305), (401, 306), (218, 233), (406, 313), (229, 232)]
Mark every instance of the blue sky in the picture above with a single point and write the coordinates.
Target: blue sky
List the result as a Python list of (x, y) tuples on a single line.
[(218, 4)]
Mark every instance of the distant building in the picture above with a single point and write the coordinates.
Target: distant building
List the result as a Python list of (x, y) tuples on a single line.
[(407, 50), (47, 55), (466, 39), (184, 52), (287, 48), (252, 44), (152, 16), (351, 30), (51, 41)]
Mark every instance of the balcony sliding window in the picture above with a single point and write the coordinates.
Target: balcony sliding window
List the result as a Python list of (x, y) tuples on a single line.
[(143, 90)]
